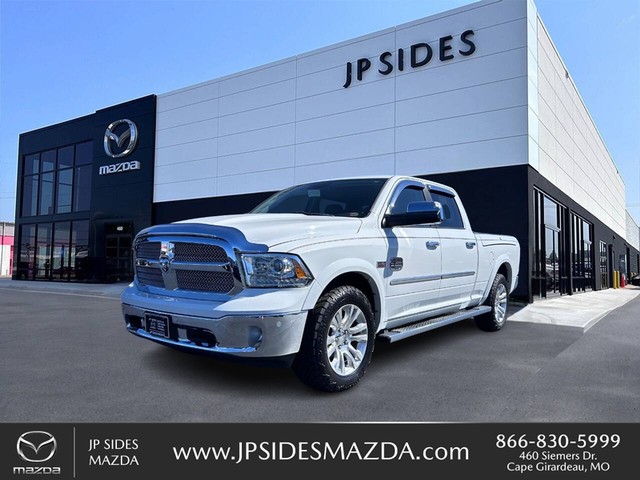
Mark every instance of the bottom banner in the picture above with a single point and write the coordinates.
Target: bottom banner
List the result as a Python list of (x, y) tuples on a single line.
[(206, 451)]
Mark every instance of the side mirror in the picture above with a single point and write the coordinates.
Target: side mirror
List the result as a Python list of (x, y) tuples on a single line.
[(418, 213)]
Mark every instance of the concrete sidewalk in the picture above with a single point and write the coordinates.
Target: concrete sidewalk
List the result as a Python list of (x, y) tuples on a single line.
[(581, 310), (105, 290)]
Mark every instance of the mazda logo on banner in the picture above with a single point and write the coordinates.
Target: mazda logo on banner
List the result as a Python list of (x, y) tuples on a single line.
[(126, 139), (36, 446)]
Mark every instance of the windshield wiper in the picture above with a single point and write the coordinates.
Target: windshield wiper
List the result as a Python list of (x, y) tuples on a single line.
[(315, 214)]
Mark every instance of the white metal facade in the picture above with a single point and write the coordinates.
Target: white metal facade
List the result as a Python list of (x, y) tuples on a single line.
[(565, 144), (510, 103)]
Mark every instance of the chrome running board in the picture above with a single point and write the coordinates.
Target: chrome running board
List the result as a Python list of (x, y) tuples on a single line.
[(400, 333)]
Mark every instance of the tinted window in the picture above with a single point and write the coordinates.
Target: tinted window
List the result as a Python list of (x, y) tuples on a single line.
[(65, 157), (79, 254), (82, 190), (407, 196), (60, 256), (450, 211), (48, 160), (64, 188), (31, 164), (550, 213), (84, 153), (46, 194), (27, 251), (43, 251), (30, 195)]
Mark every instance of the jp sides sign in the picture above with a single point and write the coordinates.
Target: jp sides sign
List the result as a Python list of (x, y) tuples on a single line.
[(419, 54)]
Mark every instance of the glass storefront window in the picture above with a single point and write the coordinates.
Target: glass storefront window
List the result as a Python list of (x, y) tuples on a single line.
[(604, 265), (31, 164), (30, 195), (82, 191), (46, 193), (79, 267), (84, 153), (581, 254), (54, 251), (61, 251), (552, 263), (65, 157), (48, 181), (550, 212), (43, 251), (65, 190), (552, 260), (48, 161), (26, 255)]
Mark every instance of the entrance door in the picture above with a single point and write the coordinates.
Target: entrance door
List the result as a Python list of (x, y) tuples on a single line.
[(552, 260), (604, 266), (118, 243)]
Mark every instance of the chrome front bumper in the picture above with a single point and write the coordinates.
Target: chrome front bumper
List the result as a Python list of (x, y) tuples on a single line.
[(252, 336)]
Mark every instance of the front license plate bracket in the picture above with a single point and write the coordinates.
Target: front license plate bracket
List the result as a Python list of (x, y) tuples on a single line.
[(157, 325)]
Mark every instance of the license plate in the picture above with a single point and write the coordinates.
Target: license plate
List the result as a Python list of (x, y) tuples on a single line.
[(157, 325)]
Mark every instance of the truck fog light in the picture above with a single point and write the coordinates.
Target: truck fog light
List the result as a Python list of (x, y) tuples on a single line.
[(255, 336)]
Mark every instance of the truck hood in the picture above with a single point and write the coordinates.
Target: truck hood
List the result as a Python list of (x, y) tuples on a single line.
[(273, 229)]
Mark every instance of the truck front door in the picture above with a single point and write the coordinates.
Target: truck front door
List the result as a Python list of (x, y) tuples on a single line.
[(414, 261)]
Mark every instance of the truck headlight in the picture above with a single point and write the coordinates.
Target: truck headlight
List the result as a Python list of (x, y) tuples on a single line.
[(274, 270)]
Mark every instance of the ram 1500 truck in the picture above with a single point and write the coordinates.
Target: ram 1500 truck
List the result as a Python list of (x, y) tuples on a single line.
[(317, 272)]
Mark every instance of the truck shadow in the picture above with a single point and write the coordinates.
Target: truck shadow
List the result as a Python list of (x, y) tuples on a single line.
[(189, 369), (219, 374)]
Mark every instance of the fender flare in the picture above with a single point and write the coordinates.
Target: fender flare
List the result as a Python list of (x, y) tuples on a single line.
[(501, 260), (344, 266)]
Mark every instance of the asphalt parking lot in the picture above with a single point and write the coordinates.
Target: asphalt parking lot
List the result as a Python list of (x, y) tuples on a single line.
[(66, 357)]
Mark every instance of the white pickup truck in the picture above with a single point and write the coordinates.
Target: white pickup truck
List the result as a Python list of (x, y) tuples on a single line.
[(313, 275)]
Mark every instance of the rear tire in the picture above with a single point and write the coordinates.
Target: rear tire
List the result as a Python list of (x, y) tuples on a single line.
[(498, 300), (338, 341)]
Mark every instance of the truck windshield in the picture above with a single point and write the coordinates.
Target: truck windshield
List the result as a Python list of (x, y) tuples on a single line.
[(338, 198)]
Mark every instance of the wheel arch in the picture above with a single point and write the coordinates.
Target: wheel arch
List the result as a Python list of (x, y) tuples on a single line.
[(502, 266), (357, 278), (505, 270)]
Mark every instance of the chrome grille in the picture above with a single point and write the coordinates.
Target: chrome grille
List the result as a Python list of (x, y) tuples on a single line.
[(187, 264), (148, 250), (202, 281), (198, 252), (150, 276)]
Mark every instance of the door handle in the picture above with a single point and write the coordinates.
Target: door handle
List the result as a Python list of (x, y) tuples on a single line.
[(432, 245), (471, 244)]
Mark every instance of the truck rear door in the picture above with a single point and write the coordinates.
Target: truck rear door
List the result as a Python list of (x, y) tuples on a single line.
[(459, 251)]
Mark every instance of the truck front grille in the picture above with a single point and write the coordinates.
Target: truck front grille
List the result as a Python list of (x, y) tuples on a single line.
[(199, 252), (150, 276), (202, 281), (148, 250), (197, 265)]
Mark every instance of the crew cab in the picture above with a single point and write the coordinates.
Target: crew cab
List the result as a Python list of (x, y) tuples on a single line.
[(317, 272)]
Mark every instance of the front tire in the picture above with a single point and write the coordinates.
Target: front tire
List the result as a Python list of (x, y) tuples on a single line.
[(338, 341), (498, 300)]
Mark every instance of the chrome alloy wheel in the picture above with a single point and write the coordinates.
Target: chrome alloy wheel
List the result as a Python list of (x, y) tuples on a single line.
[(347, 339), (500, 304)]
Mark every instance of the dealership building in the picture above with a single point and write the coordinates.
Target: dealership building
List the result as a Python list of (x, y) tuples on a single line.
[(477, 98)]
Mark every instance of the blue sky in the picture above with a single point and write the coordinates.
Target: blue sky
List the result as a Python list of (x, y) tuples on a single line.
[(63, 59)]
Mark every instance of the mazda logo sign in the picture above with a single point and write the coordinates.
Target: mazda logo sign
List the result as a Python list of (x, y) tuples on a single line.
[(128, 137), (36, 446)]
